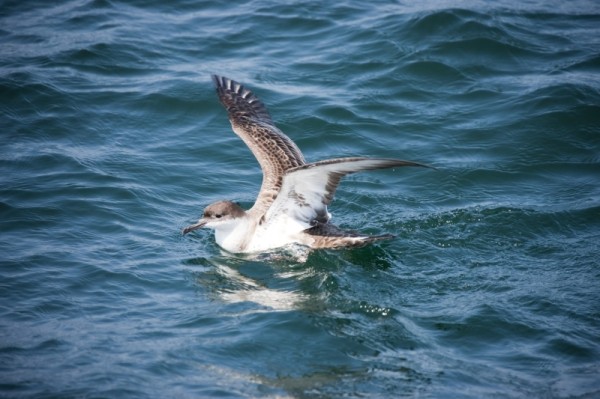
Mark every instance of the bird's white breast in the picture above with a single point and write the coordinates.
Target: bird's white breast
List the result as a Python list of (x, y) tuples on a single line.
[(278, 232)]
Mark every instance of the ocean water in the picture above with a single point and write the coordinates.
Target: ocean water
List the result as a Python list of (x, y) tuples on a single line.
[(112, 139)]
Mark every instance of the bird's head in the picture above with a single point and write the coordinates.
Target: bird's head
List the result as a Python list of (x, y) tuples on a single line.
[(217, 215)]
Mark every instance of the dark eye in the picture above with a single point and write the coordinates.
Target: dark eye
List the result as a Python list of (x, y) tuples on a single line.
[(218, 215)]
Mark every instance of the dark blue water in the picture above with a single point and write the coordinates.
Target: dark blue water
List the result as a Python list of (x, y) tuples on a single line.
[(112, 139)]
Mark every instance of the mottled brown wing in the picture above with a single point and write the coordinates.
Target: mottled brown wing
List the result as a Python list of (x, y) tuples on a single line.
[(275, 152)]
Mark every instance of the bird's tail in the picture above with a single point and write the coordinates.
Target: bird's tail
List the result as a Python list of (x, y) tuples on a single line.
[(326, 235)]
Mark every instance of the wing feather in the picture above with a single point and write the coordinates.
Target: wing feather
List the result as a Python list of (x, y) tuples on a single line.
[(307, 189), (275, 152)]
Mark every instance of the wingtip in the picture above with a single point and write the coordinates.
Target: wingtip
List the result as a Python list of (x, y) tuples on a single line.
[(226, 84), (217, 80)]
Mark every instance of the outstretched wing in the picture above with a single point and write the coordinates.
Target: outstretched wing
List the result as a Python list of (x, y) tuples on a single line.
[(275, 152), (308, 189)]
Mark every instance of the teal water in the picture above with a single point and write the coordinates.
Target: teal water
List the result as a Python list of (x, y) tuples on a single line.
[(112, 139)]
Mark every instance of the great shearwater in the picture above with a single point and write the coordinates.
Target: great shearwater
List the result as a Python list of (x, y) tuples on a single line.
[(291, 207)]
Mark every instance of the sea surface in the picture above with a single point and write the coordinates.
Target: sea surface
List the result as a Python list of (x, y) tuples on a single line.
[(112, 140)]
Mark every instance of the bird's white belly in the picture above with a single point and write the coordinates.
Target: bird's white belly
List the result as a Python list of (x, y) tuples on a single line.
[(277, 233), (250, 237)]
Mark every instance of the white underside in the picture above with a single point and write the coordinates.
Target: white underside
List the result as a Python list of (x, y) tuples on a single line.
[(243, 235)]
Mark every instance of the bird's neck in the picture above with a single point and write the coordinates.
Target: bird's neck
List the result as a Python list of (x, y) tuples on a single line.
[(236, 235)]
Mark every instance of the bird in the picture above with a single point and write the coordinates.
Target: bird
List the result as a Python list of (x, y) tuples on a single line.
[(291, 206)]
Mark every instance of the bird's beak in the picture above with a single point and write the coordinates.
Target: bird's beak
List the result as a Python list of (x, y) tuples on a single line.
[(193, 227)]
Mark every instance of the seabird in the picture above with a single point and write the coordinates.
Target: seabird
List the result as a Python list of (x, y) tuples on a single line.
[(291, 207)]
